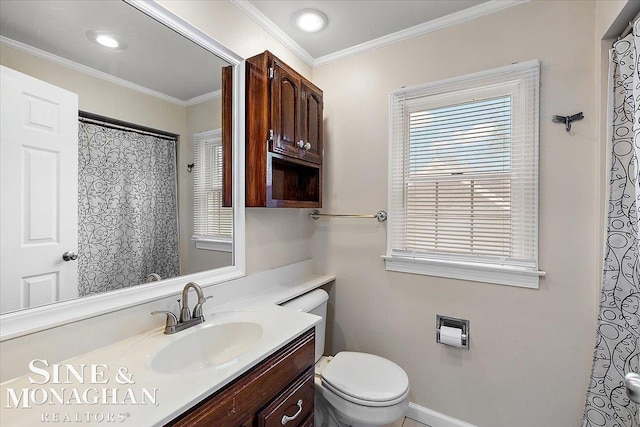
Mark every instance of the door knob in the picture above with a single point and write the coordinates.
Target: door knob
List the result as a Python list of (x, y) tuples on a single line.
[(69, 256), (300, 144), (307, 146)]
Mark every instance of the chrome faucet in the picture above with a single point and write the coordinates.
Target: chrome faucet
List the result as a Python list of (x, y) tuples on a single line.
[(187, 320), (185, 313)]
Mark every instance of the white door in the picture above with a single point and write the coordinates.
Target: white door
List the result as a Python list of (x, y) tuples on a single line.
[(38, 192)]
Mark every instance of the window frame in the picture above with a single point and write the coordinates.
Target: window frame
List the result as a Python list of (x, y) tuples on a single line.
[(217, 242), (466, 267)]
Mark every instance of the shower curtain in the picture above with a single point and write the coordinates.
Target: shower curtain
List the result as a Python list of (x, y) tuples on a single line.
[(127, 212), (617, 349)]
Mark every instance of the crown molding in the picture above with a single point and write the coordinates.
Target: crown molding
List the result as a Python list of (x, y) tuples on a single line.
[(268, 25), (100, 74), (486, 8), (489, 7), (203, 98)]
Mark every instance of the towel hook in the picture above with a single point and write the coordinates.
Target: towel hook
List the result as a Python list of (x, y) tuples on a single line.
[(568, 119)]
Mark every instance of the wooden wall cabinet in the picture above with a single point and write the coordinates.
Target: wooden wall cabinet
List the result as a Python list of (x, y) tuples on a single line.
[(284, 113), (281, 385), (227, 136)]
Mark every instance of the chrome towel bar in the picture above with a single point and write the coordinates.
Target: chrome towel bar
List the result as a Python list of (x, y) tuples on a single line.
[(380, 215)]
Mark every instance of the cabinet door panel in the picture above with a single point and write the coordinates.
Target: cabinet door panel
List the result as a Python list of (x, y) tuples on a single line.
[(285, 110), (312, 123), (249, 422)]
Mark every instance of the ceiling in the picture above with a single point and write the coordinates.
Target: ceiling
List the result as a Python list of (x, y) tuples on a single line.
[(156, 59), (358, 25), (168, 65)]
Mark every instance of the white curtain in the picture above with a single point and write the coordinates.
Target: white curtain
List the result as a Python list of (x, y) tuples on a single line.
[(127, 208), (617, 349)]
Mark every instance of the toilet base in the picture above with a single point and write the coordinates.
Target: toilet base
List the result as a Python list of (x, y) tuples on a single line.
[(333, 411)]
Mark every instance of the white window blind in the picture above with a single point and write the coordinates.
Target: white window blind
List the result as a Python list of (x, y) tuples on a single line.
[(464, 177), (211, 221)]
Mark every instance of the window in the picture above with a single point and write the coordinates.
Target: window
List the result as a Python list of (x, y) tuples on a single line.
[(212, 223), (464, 177)]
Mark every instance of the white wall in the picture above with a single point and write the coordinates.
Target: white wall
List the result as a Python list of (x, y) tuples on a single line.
[(531, 350), (121, 103)]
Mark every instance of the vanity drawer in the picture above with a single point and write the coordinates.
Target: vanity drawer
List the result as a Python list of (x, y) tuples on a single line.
[(308, 422), (292, 406)]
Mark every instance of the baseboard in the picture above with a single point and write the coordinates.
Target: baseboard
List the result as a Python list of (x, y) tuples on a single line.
[(432, 418)]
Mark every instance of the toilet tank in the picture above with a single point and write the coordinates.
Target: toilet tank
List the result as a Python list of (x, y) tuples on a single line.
[(314, 302)]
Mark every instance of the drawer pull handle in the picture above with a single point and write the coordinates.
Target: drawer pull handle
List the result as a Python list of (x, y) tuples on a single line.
[(286, 419)]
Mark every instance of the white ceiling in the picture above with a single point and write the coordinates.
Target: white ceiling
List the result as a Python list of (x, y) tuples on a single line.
[(157, 58), (165, 63), (358, 25)]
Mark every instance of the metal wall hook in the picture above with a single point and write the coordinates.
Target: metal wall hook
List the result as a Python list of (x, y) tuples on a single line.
[(568, 119)]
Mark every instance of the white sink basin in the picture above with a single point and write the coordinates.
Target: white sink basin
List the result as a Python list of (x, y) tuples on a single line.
[(225, 344), (216, 345), (209, 347)]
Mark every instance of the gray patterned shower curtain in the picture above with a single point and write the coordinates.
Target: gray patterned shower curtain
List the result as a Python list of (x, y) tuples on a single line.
[(617, 350), (127, 212)]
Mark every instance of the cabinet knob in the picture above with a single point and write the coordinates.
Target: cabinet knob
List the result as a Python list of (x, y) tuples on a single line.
[(307, 146), (300, 144)]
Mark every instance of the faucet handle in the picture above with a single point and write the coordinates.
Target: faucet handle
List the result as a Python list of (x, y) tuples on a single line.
[(172, 319), (197, 310)]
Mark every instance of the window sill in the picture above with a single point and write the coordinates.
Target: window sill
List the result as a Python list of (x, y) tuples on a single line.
[(496, 274), (219, 245)]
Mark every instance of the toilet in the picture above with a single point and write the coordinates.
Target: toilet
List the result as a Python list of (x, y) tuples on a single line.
[(352, 388)]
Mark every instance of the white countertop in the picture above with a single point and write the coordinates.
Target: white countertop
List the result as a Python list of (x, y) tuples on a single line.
[(122, 371)]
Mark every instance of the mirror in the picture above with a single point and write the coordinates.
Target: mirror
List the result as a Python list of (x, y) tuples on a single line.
[(162, 81)]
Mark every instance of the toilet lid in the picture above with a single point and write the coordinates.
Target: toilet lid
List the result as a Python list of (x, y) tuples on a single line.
[(366, 379)]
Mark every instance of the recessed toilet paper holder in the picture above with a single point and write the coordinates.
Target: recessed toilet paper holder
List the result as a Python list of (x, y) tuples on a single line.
[(453, 322)]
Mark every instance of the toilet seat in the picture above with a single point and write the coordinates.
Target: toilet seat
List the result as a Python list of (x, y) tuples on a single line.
[(365, 379)]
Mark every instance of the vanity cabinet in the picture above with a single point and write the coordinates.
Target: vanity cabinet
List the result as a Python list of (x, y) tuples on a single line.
[(284, 117), (280, 386)]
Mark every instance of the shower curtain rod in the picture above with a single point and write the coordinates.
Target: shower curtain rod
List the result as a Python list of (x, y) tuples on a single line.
[(629, 27), (122, 125)]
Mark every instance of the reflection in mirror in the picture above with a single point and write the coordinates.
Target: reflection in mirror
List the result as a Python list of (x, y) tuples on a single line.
[(105, 201)]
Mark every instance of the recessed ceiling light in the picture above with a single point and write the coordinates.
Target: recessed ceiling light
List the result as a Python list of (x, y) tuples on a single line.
[(107, 39), (310, 20)]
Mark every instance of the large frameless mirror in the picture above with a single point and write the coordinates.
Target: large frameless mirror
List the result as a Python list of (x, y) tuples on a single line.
[(112, 153)]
